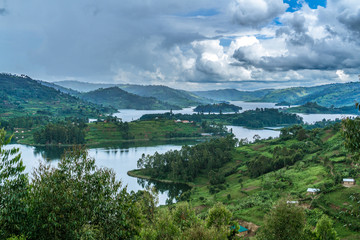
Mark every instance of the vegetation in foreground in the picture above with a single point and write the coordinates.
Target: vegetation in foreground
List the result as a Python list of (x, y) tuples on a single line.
[(263, 173), (77, 200)]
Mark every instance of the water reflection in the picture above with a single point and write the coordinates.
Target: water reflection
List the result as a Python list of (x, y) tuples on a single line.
[(173, 190)]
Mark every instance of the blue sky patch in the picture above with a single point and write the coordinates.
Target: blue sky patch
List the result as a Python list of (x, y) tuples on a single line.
[(295, 5)]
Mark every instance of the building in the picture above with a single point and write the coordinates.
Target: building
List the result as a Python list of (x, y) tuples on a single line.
[(292, 202), (348, 181), (313, 191)]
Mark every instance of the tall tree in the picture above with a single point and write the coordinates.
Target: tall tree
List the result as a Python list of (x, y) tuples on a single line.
[(284, 222), (13, 189)]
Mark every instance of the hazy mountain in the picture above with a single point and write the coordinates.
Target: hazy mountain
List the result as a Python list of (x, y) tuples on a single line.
[(340, 94), (60, 88), (172, 96), (83, 86), (121, 99), (21, 95), (233, 94), (165, 94)]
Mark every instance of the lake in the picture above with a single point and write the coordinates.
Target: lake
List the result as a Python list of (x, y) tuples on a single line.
[(124, 158), (119, 159)]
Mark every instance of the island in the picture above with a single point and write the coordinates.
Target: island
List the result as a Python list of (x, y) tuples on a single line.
[(217, 108)]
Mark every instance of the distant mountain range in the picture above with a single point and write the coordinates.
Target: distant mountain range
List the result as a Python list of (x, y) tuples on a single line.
[(120, 99), (174, 97), (338, 95)]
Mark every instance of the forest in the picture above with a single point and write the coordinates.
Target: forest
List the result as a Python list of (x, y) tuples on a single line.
[(258, 118), (217, 108)]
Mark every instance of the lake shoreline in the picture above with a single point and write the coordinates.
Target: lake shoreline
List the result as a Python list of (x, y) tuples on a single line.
[(134, 173)]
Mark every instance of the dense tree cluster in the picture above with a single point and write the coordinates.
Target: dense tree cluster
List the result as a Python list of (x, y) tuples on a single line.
[(217, 108), (265, 117), (62, 132), (257, 118), (286, 221), (23, 122), (282, 156), (187, 163)]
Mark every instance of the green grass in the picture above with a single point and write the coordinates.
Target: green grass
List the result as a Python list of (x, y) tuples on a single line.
[(252, 198)]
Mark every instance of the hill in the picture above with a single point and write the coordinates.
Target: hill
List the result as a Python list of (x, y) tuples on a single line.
[(253, 177), (172, 96), (233, 94), (121, 99), (314, 108), (83, 86), (165, 94), (23, 96), (339, 95)]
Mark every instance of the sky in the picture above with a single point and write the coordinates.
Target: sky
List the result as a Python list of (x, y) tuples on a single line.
[(187, 44)]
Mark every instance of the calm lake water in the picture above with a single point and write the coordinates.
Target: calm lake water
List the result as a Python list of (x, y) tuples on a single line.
[(124, 158), (119, 159)]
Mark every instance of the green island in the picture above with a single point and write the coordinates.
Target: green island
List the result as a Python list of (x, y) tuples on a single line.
[(258, 118), (314, 108), (217, 108), (250, 178), (111, 131)]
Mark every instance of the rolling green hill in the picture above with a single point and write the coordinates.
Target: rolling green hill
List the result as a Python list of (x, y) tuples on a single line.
[(83, 86), (339, 95), (172, 96), (262, 173), (165, 94), (23, 96), (121, 99)]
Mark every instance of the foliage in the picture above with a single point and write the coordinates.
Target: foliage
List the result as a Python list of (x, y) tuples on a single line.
[(187, 163), (218, 216), (284, 222), (218, 108), (351, 129), (257, 118), (324, 229), (65, 133), (13, 189), (181, 222), (77, 200)]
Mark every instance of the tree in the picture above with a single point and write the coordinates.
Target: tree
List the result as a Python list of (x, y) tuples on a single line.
[(13, 190), (284, 222), (218, 217), (77, 200), (324, 229)]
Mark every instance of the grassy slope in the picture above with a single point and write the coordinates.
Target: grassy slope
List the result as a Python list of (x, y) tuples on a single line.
[(251, 198), (21, 96), (121, 99)]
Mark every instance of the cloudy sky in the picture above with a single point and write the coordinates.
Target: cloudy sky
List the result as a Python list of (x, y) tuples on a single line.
[(193, 45)]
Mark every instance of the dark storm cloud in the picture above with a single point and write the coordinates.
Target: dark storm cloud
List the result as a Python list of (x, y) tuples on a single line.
[(351, 20)]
